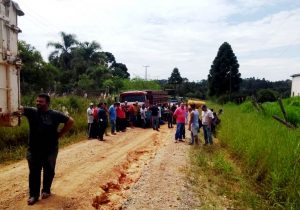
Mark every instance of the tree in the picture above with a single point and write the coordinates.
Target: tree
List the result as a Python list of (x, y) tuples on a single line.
[(110, 58), (120, 70), (224, 77), (175, 77), (91, 52), (61, 56), (109, 85), (250, 86), (84, 82), (85, 55), (72, 65), (36, 74)]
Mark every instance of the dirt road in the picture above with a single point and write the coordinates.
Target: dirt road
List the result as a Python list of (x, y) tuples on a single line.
[(90, 172)]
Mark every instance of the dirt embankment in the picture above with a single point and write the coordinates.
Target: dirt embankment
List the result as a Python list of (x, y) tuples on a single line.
[(99, 173)]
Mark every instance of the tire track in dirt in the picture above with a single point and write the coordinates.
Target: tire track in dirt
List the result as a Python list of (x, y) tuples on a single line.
[(83, 169)]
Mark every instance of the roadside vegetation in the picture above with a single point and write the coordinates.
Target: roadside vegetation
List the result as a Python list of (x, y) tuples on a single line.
[(266, 151), (219, 181)]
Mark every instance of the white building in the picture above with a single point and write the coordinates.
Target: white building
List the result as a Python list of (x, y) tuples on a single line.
[(295, 85)]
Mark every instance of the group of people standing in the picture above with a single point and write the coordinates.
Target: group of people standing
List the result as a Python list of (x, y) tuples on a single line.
[(191, 116), (97, 121), (120, 116)]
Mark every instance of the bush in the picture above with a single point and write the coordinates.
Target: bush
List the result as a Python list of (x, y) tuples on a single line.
[(223, 99), (75, 103), (247, 107), (267, 95)]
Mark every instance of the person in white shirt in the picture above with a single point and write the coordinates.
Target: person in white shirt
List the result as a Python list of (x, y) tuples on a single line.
[(143, 115), (194, 125), (90, 119), (159, 114), (207, 117)]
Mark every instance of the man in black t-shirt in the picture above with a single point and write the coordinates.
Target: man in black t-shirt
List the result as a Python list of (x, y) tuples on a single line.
[(155, 116), (102, 121), (43, 145)]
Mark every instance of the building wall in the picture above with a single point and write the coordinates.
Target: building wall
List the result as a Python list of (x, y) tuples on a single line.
[(295, 86)]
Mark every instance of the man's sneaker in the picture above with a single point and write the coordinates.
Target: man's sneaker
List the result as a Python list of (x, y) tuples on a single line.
[(32, 200), (45, 195)]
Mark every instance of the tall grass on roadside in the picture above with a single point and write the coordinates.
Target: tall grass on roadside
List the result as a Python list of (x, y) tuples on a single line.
[(219, 183), (270, 151), (291, 106)]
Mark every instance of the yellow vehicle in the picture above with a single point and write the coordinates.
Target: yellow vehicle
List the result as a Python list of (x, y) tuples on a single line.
[(198, 103)]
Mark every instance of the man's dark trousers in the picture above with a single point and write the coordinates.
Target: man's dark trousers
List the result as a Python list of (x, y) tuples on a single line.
[(36, 162)]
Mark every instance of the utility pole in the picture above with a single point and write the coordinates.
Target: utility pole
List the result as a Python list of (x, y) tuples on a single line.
[(146, 68)]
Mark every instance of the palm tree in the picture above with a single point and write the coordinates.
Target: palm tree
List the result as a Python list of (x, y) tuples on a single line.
[(61, 56), (91, 52)]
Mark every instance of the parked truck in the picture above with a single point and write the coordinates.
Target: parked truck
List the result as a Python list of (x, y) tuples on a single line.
[(10, 64), (146, 97)]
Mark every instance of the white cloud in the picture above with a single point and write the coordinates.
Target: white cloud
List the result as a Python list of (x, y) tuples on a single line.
[(278, 69), (169, 33)]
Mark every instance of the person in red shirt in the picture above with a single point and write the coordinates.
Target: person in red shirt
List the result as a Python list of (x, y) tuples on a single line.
[(131, 111), (94, 132), (121, 118), (179, 114)]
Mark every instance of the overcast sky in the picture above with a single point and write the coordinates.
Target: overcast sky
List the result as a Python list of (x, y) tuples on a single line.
[(264, 34)]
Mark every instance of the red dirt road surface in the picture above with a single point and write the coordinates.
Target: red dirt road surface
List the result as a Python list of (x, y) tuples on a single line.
[(93, 174)]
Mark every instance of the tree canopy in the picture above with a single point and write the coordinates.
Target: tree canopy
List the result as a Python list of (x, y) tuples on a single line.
[(224, 77), (36, 74), (73, 65), (175, 77)]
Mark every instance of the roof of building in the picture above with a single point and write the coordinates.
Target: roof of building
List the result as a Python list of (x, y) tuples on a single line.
[(295, 75)]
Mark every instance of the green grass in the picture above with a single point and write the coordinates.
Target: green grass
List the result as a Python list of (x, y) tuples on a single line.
[(291, 105), (219, 182), (269, 151), (221, 164)]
